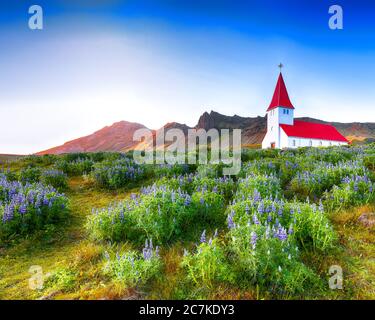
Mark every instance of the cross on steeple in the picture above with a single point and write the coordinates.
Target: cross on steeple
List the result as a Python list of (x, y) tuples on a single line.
[(280, 66)]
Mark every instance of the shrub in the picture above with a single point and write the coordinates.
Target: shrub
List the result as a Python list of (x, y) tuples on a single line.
[(210, 170), (74, 167), (305, 223), (62, 279), (133, 269), (8, 174), (313, 184), (117, 174), (224, 186), (369, 161), (354, 191), (159, 213), (29, 207), (256, 154), (208, 265), (181, 182), (333, 155), (271, 262), (55, 178), (261, 167), (30, 174), (266, 186), (170, 170)]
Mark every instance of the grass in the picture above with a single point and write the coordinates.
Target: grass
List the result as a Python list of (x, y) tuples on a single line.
[(4, 158), (73, 263), (66, 247)]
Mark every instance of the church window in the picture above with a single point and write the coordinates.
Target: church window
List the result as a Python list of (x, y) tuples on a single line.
[(294, 143), (321, 143), (310, 143)]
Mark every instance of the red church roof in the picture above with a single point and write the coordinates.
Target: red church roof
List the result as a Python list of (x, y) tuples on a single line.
[(310, 130), (280, 97)]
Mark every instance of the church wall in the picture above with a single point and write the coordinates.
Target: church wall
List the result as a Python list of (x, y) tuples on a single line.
[(286, 118), (273, 129), (294, 142)]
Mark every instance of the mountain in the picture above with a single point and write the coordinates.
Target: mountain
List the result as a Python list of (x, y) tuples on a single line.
[(170, 125), (119, 136), (116, 137), (253, 129)]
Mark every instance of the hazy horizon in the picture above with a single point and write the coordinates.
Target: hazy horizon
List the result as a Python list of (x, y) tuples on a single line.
[(154, 62)]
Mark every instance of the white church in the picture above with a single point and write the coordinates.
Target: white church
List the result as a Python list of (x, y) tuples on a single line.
[(285, 132)]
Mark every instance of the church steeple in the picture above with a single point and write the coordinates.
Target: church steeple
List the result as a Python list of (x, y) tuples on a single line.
[(280, 97)]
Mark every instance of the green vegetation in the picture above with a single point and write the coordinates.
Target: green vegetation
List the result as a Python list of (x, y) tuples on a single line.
[(181, 232)]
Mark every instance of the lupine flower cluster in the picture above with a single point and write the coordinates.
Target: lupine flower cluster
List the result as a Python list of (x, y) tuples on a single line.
[(23, 207), (265, 167), (354, 190), (158, 212), (222, 185), (276, 218), (117, 174), (132, 268), (265, 185), (207, 264), (334, 154), (55, 178), (73, 166), (170, 170), (324, 177)]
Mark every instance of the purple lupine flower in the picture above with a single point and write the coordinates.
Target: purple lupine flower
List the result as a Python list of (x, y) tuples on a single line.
[(247, 209), (187, 201), (256, 196), (23, 208), (230, 221), (215, 234), (268, 231), (203, 236), (290, 230), (281, 233), (273, 208), (253, 239), (261, 208), (255, 219), (280, 212), (321, 208)]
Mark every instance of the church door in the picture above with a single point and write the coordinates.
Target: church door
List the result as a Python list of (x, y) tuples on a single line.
[(273, 145)]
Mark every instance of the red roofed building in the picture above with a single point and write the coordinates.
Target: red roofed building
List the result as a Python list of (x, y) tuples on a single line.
[(285, 132)]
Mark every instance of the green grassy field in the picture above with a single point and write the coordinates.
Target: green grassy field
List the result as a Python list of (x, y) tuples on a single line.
[(67, 251)]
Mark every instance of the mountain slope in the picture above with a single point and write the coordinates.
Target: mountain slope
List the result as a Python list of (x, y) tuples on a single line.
[(253, 129), (116, 137)]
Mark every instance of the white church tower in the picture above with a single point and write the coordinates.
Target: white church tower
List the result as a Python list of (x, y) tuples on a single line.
[(283, 131), (280, 111)]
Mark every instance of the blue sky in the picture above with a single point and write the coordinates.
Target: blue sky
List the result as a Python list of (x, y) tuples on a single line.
[(98, 62)]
